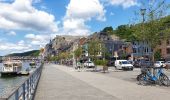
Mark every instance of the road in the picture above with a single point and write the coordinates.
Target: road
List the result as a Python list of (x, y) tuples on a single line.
[(64, 83), (56, 84)]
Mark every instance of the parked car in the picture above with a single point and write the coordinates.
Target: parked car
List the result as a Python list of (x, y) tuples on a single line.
[(89, 64), (167, 63), (110, 63), (123, 64), (143, 63), (159, 63), (131, 61)]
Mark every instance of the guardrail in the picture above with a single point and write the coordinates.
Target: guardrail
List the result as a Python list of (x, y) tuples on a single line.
[(26, 91)]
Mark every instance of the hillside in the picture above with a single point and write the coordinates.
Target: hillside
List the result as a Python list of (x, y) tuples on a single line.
[(28, 53)]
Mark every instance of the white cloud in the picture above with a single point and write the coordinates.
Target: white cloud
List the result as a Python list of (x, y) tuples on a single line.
[(21, 46), (79, 12), (12, 46), (11, 33), (39, 40), (85, 9), (123, 3), (6, 0), (21, 42), (22, 15)]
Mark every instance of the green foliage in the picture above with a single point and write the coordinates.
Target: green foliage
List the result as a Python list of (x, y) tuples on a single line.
[(153, 30), (101, 62), (124, 56), (78, 52), (157, 55), (108, 30), (54, 58), (125, 32), (33, 53), (122, 31), (107, 55), (94, 47), (63, 55)]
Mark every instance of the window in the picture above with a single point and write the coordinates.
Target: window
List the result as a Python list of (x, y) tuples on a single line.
[(159, 43), (160, 50), (134, 50), (146, 50), (134, 43), (167, 42), (168, 50)]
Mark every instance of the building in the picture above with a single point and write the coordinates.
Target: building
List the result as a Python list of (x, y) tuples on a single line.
[(112, 44), (164, 49), (141, 49)]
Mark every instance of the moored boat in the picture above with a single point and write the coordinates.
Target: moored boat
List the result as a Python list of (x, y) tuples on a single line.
[(33, 64), (11, 68)]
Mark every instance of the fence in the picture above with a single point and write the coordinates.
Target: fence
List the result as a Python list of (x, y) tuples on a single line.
[(26, 91)]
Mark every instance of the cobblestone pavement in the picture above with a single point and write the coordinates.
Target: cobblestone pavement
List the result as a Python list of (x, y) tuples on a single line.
[(58, 85)]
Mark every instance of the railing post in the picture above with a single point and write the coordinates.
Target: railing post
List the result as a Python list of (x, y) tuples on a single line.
[(23, 87), (27, 89), (17, 95), (30, 87)]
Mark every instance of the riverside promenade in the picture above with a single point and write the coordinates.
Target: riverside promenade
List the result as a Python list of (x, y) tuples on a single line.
[(64, 83)]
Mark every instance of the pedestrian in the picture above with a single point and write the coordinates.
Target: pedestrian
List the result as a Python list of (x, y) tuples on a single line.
[(78, 66)]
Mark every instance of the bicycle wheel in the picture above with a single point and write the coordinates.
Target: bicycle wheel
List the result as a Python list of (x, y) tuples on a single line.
[(142, 79), (164, 80)]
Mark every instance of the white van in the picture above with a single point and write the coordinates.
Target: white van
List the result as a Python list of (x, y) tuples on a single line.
[(123, 64)]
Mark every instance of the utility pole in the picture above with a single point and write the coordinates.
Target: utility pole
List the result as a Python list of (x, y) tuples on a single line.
[(143, 11)]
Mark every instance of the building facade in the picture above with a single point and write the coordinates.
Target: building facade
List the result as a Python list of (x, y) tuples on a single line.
[(141, 49), (164, 49)]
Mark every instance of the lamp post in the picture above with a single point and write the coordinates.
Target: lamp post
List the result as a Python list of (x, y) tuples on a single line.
[(143, 11)]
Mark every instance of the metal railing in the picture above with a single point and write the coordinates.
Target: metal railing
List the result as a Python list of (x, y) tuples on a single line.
[(26, 91)]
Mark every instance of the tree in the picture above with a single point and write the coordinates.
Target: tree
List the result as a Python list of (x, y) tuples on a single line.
[(152, 28), (96, 48), (78, 52), (108, 30), (125, 32), (63, 55), (157, 55)]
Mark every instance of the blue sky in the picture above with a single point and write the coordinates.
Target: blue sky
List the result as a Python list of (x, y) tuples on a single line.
[(30, 24)]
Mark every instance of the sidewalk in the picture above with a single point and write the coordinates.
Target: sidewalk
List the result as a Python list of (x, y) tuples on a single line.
[(118, 88), (56, 84)]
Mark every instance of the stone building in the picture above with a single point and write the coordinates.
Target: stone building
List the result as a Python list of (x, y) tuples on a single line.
[(164, 49)]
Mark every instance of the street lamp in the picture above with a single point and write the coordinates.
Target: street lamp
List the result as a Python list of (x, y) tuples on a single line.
[(143, 11)]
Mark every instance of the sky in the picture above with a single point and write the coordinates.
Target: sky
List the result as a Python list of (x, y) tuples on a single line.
[(29, 24)]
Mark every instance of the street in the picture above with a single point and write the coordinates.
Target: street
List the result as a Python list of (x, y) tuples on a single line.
[(62, 82), (130, 76)]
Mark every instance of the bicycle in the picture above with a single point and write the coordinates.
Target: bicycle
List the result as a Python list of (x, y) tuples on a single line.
[(146, 77)]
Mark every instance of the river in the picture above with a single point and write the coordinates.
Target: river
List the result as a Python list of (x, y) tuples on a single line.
[(7, 84)]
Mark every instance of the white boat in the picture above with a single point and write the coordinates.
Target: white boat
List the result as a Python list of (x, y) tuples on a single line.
[(33, 64), (11, 68)]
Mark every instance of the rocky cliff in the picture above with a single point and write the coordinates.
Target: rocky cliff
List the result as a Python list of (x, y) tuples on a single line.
[(60, 44)]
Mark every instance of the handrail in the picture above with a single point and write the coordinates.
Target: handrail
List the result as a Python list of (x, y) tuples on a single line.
[(26, 90)]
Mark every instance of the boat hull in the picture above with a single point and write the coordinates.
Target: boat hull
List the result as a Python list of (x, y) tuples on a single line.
[(8, 74)]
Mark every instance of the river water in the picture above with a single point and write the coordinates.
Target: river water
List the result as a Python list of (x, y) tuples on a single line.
[(7, 84)]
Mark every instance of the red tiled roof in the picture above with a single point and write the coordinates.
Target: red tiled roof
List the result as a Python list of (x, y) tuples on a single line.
[(82, 41)]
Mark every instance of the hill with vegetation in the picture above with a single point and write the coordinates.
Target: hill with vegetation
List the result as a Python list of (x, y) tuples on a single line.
[(131, 32), (33, 53)]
